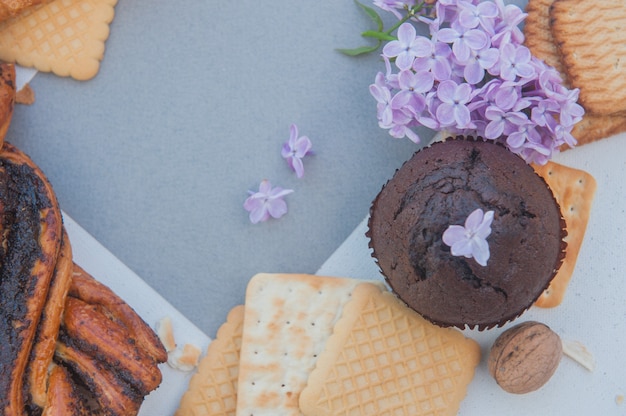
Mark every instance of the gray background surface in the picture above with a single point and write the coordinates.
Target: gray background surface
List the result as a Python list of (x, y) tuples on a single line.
[(155, 155)]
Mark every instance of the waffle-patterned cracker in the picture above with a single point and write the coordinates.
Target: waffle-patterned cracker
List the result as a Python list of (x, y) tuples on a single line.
[(385, 359), (213, 389), (65, 37)]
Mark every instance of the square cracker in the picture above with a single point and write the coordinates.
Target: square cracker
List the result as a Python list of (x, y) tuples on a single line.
[(65, 37), (574, 190), (213, 388), (288, 319), (385, 359), (592, 41), (539, 39)]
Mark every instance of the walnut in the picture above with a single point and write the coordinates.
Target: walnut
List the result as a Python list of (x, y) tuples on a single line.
[(524, 357)]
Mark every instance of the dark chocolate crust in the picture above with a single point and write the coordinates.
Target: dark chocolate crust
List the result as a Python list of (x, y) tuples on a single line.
[(440, 186)]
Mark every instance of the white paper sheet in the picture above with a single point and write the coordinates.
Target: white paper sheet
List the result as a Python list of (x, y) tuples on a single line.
[(593, 311), (100, 263)]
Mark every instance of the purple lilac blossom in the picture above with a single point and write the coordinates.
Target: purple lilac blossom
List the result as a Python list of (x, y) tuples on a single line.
[(472, 75), (295, 149), (407, 47), (470, 240), (267, 202)]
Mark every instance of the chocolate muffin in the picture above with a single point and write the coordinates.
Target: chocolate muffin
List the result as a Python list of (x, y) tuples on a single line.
[(442, 185)]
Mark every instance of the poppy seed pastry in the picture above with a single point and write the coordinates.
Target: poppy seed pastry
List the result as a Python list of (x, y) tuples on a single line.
[(442, 185)]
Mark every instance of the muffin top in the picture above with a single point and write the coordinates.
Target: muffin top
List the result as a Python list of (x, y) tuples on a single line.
[(442, 185)]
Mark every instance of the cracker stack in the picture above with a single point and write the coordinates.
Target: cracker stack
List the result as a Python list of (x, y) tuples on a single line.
[(314, 345), (585, 42)]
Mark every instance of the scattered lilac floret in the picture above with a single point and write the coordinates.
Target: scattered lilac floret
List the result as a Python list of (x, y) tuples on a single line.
[(295, 149), (470, 240), (267, 202)]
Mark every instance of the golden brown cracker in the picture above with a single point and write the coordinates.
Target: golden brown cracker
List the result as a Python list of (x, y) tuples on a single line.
[(7, 98), (288, 319), (384, 358), (592, 41), (594, 127), (538, 36), (574, 190), (25, 95), (66, 37), (13, 8), (213, 389)]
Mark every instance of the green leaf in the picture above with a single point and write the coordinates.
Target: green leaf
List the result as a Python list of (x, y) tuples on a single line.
[(360, 51), (377, 35), (372, 14)]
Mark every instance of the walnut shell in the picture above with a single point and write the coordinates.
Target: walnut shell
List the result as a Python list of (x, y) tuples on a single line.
[(524, 357)]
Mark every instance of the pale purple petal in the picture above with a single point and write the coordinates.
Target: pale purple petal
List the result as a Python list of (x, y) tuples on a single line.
[(453, 234), (494, 129), (298, 167), (422, 47), (480, 251), (447, 35), (446, 91), (474, 220), (424, 81), (484, 228), (277, 208), (404, 60), (462, 248), (488, 57), (259, 214), (473, 72), (461, 50), (278, 193), (445, 114), (462, 116), (516, 140), (265, 187), (393, 49), (475, 39), (441, 69), (462, 93), (303, 146), (293, 133)]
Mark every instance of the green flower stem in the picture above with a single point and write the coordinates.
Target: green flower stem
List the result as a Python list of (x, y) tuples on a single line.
[(380, 35), (387, 35), (409, 14)]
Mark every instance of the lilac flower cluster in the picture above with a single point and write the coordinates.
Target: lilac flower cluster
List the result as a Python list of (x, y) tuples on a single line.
[(473, 75)]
